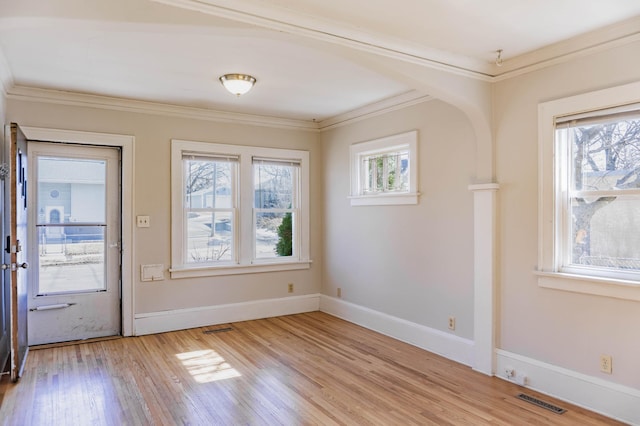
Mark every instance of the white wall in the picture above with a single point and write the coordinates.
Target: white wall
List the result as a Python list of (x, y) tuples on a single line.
[(410, 262), (152, 197), (563, 329)]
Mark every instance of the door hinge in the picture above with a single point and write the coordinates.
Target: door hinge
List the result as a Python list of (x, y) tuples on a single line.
[(11, 248)]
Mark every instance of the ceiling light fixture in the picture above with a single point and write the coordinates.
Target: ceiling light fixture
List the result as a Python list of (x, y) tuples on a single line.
[(238, 84)]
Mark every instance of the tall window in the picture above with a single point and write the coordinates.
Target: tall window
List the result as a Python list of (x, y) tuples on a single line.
[(209, 208), (238, 209), (599, 193), (276, 207), (589, 193)]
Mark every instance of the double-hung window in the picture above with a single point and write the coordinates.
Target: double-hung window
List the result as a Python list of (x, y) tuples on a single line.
[(238, 209), (599, 193), (589, 230)]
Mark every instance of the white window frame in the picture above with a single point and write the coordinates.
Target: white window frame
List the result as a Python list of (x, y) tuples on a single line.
[(244, 229), (401, 142), (550, 200), (294, 210)]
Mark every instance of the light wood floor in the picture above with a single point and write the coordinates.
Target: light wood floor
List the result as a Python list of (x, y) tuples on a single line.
[(300, 369)]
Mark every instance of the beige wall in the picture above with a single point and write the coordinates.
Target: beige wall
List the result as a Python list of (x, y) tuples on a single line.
[(565, 329), (152, 197), (411, 262)]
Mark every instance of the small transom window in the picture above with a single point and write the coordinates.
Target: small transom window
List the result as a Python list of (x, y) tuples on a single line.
[(384, 171)]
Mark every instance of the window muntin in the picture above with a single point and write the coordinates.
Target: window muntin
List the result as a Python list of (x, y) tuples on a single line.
[(218, 215), (276, 208), (598, 192), (384, 171), (210, 208)]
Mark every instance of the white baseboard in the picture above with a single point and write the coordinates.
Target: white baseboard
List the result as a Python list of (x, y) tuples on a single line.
[(180, 319), (448, 345), (610, 399)]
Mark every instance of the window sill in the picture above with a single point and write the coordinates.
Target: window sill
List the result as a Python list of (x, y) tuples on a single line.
[(212, 271), (607, 287), (384, 199)]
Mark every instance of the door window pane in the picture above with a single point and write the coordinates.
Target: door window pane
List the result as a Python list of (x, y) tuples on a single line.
[(71, 211)]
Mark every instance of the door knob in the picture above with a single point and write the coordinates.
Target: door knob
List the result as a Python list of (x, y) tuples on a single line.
[(4, 266), (23, 265)]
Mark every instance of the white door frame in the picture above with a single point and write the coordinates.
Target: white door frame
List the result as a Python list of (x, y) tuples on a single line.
[(126, 143)]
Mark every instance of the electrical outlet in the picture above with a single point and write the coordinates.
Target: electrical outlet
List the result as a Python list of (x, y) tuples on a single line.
[(143, 221), (605, 364), (452, 323), (339, 292), (290, 288), (509, 372), (522, 379)]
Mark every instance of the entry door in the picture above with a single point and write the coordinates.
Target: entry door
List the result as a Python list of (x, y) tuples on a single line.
[(75, 285), (5, 296), (15, 246)]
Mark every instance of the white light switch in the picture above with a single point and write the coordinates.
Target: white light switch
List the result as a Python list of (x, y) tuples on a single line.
[(152, 272), (144, 221)]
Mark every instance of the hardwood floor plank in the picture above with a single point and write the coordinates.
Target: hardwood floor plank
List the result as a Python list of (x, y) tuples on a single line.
[(307, 369)]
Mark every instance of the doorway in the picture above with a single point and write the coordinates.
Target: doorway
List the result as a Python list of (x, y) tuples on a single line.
[(75, 236)]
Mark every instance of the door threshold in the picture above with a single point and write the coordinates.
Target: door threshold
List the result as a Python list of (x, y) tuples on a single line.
[(72, 342)]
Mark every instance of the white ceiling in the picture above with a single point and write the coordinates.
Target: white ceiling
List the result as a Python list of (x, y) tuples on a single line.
[(306, 54)]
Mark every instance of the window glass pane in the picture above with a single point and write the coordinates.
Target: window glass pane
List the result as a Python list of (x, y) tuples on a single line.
[(606, 232), (208, 183), (398, 165), (274, 186), (274, 235), (209, 236), (386, 172), (606, 156), (71, 190)]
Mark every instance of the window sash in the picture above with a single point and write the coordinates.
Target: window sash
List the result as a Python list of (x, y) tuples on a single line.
[(569, 236), (217, 250), (213, 252), (279, 210), (376, 181)]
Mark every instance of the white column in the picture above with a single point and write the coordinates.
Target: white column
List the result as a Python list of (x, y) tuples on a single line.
[(484, 286)]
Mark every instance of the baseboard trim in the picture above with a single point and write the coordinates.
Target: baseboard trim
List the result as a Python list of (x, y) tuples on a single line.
[(180, 319), (447, 345), (604, 397)]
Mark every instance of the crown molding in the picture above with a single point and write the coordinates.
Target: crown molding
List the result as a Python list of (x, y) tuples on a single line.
[(33, 94), (6, 78), (599, 40), (286, 20), (374, 109)]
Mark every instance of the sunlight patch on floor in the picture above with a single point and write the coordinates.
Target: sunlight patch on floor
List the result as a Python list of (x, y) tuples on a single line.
[(207, 366)]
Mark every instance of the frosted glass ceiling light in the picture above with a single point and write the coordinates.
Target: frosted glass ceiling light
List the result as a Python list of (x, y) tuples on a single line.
[(238, 84)]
